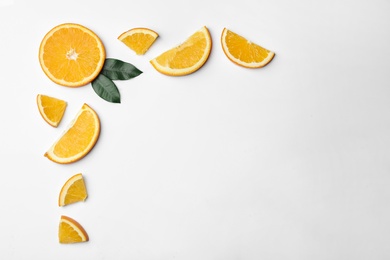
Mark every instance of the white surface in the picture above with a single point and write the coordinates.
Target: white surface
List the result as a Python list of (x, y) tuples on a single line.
[(286, 162)]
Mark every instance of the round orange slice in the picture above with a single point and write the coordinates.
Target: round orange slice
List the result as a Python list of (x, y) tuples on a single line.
[(243, 52), (71, 55), (138, 39), (73, 191), (187, 57), (51, 109), (70, 231), (79, 138)]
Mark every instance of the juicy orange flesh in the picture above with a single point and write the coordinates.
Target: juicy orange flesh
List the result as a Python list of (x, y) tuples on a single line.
[(76, 192), (77, 137), (53, 108), (245, 50), (68, 54), (185, 55), (139, 42), (67, 234)]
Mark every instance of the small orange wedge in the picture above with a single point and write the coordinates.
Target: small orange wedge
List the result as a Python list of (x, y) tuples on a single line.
[(70, 231), (73, 191), (243, 52), (79, 138), (51, 109), (138, 39), (187, 57)]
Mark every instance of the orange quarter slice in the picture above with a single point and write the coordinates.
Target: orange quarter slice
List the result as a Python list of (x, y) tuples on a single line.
[(73, 191), (138, 39), (51, 109), (70, 231)]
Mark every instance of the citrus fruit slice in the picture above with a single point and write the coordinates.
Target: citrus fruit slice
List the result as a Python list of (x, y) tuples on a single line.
[(70, 231), (73, 190), (243, 52), (71, 55), (138, 39), (51, 109), (79, 138), (187, 57)]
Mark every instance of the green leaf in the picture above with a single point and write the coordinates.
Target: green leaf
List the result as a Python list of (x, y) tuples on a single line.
[(106, 89), (119, 70)]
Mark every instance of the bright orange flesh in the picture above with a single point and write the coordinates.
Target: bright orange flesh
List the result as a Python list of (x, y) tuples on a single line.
[(51, 109), (138, 39), (78, 140), (243, 52), (71, 55), (73, 191), (187, 57), (70, 231)]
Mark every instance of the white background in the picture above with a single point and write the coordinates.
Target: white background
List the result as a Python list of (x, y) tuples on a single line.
[(290, 161)]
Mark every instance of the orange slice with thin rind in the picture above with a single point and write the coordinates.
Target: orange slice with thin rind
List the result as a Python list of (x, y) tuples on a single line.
[(71, 55), (73, 191), (244, 52), (187, 57), (51, 109), (79, 138), (70, 231), (139, 39)]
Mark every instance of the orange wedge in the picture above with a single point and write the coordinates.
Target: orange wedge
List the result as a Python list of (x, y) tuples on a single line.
[(187, 57), (243, 52), (70, 231), (51, 109), (138, 39), (79, 138), (73, 191), (71, 55)]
